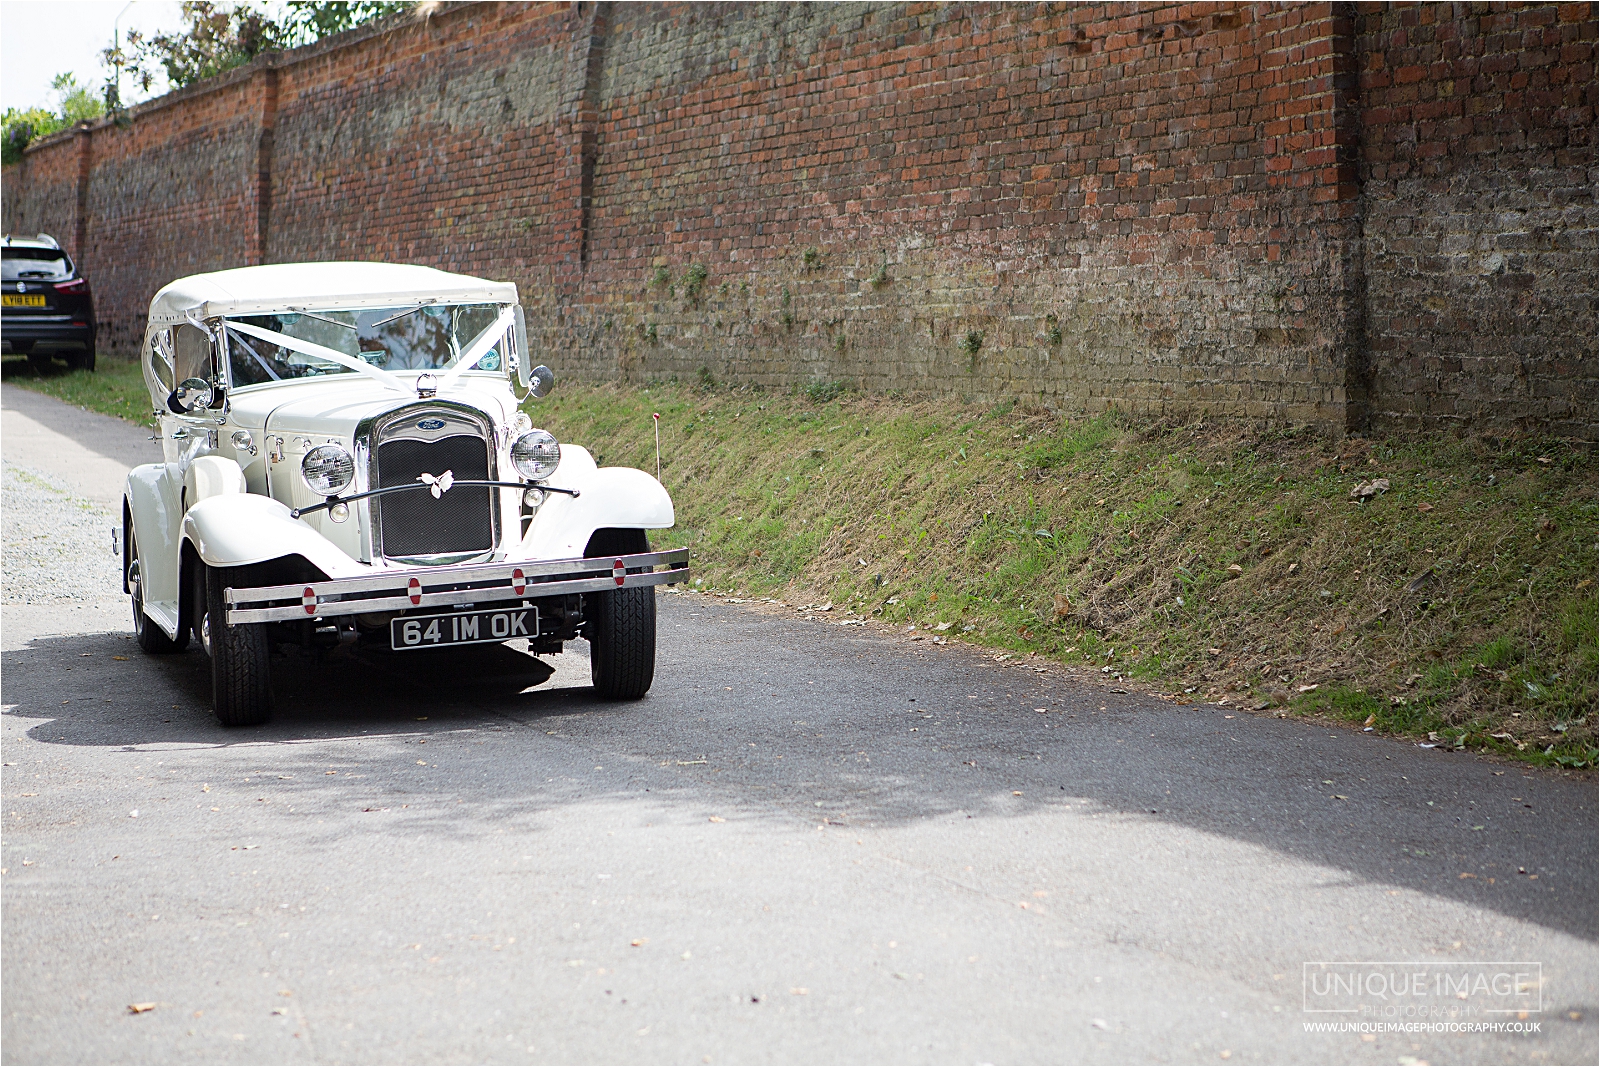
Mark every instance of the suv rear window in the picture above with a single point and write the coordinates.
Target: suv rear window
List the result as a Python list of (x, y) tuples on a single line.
[(34, 264)]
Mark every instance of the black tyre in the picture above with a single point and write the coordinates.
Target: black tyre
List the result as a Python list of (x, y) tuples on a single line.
[(151, 639), (622, 642), (241, 680)]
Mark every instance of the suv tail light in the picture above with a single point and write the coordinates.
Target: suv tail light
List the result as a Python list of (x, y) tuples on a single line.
[(76, 285)]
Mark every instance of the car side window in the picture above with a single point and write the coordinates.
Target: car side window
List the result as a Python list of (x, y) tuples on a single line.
[(193, 354), (161, 357)]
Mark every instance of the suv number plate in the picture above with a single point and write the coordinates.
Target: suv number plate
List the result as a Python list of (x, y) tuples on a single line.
[(462, 628)]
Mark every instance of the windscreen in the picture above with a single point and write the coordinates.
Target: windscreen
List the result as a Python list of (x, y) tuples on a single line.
[(34, 264), (392, 339)]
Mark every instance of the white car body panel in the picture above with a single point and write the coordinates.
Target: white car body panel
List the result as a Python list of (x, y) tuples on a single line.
[(210, 476), (234, 531), (617, 497), (154, 509)]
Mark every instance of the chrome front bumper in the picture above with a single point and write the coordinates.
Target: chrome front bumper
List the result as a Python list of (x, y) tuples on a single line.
[(468, 583)]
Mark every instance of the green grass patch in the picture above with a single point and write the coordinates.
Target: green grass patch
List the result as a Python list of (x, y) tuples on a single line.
[(115, 387), (1456, 608)]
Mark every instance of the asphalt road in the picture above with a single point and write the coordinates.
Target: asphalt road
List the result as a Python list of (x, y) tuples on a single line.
[(810, 843)]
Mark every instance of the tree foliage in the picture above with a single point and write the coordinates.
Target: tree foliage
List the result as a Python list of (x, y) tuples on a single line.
[(214, 38), (21, 126), (217, 37)]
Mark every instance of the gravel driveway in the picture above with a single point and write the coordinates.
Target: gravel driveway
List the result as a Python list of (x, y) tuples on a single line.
[(57, 544)]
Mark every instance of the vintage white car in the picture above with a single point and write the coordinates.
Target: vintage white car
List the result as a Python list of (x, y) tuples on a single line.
[(346, 462)]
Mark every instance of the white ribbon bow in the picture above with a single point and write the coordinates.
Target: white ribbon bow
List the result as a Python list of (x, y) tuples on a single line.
[(438, 486)]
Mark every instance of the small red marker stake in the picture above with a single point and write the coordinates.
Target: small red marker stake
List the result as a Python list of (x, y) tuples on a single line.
[(656, 416)]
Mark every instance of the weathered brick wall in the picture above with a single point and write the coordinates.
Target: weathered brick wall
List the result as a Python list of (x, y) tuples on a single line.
[(442, 146), (40, 194), (172, 195), (1479, 202), (1168, 208), (1137, 208)]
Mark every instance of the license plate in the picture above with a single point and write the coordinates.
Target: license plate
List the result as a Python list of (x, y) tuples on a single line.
[(22, 301), (462, 628)]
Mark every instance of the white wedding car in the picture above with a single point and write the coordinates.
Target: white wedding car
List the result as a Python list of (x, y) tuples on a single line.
[(346, 462)]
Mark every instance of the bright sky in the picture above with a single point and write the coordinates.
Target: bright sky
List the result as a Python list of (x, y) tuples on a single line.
[(42, 38)]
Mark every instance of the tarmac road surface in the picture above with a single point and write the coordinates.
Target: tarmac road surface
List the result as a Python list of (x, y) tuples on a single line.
[(810, 843)]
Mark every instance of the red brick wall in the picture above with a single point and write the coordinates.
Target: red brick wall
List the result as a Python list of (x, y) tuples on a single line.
[(40, 194), (1139, 208), (1168, 208), (1479, 202), (172, 195), (430, 147)]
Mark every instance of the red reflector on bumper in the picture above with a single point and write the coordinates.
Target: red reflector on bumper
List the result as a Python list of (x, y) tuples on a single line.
[(618, 571), (309, 599)]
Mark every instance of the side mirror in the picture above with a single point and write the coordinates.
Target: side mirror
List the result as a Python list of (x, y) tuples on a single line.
[(524, 358), (543, 380), (191, 397)]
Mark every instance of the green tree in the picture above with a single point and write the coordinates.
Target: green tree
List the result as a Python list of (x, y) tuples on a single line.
[(216, 37), (312, 20), (20, 127)]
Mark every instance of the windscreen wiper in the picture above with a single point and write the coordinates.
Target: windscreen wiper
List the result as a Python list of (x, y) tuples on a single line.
[(403, 314), (323, 318)]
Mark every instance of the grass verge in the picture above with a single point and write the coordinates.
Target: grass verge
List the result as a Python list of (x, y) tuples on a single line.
[(1457, 606), (115, 387)]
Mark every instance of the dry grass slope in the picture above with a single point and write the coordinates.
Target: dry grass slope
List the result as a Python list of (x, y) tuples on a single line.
[(1458, 604)]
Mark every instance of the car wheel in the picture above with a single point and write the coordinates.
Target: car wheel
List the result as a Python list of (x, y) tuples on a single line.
[(241, 682), (82, 360), (151, 638), (622, 642)]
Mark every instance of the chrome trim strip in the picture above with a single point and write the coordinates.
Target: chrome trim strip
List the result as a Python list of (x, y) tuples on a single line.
[(459, 574), (453, 597), (340, 596)]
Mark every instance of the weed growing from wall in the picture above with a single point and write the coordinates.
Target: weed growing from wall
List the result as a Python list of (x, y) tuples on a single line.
[(694, 280)]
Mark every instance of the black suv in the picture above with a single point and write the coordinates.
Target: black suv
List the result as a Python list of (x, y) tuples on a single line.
[(44, 303)]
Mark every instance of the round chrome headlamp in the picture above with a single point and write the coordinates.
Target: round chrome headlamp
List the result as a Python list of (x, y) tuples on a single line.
[(327, 469), (536, 455)]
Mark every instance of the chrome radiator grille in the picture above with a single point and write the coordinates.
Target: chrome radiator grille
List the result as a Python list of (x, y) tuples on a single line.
[(417, 526)]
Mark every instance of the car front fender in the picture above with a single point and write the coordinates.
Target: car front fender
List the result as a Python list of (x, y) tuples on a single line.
[(614, 497), (237, 529)]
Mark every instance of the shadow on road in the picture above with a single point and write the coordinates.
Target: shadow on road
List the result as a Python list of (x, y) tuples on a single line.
[(759, 717)]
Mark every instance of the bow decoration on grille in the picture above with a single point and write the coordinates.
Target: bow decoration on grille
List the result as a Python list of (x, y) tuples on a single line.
[(438, 486)]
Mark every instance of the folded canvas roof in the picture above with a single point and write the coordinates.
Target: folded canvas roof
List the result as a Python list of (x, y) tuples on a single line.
[(289, 286)]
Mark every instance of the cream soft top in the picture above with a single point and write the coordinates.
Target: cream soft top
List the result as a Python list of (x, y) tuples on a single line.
[(297, 286)]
